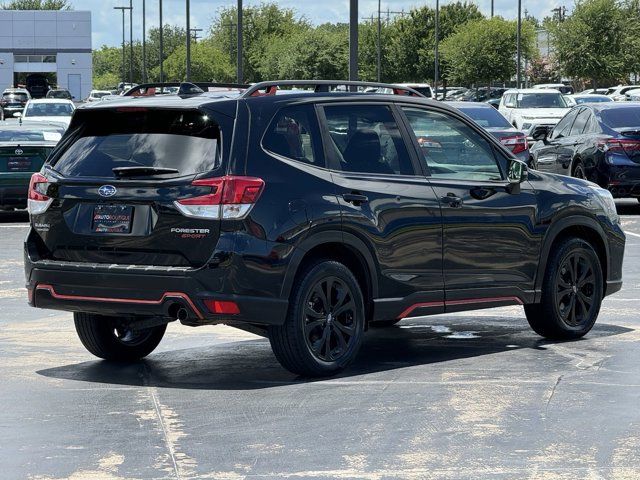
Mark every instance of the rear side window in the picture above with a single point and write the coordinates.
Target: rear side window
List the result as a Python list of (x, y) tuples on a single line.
[(188, 141), (580, 122), (294, 134), (366, 139)]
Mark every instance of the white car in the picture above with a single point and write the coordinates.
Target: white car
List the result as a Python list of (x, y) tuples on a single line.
[(528, 108), (423, 88), (618, 94), (578, 98), (49, 110), (632, 95), (561, 87), (96, 95)]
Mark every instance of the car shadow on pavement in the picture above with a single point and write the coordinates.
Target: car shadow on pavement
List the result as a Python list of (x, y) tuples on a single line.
[(250, 364), (16, 216)]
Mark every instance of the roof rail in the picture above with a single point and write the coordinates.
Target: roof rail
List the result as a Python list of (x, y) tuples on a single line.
[(185, 88), (271, 87)]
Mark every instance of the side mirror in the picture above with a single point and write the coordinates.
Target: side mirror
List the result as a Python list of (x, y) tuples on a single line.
[(17, 115), (541, 132), (516, 174)]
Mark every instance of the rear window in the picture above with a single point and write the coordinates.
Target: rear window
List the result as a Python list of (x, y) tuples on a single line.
[(487, 117), (49, 110), (15, 97), (621, 117), (188, 141)]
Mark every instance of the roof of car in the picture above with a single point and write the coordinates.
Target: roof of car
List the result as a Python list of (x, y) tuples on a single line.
[(50, 100), (32, 125), (539, 91), (589, 95), (469, 104), (15, 90), (209, 98)]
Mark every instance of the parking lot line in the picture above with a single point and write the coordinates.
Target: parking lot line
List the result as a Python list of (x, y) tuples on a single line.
[(632, 234)]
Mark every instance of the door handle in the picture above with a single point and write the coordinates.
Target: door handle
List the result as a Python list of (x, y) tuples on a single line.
[(355, 198), (452, 200)]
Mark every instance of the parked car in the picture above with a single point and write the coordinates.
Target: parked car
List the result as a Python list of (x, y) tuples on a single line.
[(38, 85), (424, 88), (13, 101), (97, 95), (578, 99), (305, 218), (618, 93), (527, 108), (494, 122), (60, 93), (596, 91), (50, 110), (599, 142), (561, 87), (632, 95), (23, 150), (481, 94)]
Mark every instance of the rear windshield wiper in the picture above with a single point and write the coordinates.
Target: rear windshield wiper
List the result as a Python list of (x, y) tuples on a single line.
[(141, 171)]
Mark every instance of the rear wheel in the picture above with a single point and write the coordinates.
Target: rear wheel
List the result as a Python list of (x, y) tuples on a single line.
[(325, 323), (572, 292), (112, 339), (579, 171)]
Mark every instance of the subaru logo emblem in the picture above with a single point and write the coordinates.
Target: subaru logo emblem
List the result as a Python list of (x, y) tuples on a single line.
[(19, 151), (107, 191)]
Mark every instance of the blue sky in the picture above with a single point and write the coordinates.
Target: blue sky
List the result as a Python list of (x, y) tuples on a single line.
[(107, 27)]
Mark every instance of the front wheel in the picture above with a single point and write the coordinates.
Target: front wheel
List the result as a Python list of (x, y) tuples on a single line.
[(112, 339), (325, 322), (579, 171), (572, 292)]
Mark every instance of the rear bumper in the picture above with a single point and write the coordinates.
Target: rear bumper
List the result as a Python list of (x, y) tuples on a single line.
[(150, 292)]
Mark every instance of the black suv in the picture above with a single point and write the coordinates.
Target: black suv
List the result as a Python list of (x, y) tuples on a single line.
[(305, 217)]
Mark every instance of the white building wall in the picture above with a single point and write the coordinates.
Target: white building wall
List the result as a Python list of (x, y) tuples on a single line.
[(66, 34)]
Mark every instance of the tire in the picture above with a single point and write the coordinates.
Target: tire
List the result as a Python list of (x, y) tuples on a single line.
[(313, 342), (384, 323), (573, 279), (579, 171), (110, 339)]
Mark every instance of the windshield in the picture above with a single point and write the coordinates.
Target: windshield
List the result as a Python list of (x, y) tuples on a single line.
[(58, 94), (186, 141), (49, 110), (621, 118), (541, 100), (15, 97), (486, 117)]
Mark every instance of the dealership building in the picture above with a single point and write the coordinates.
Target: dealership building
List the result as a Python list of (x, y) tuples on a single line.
[(54, 43)]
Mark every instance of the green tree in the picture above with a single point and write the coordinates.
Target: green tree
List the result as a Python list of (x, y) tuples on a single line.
[(484, 50), (598, 41), (208, 63), (37, 5), (264, 25)]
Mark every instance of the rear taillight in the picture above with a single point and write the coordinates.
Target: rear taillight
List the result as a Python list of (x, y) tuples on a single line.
[(38, 201), (517, 143), (620, 145), (230, 198)]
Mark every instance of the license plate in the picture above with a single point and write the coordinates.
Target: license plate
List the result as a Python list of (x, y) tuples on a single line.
[(112, 219), (19, 164)]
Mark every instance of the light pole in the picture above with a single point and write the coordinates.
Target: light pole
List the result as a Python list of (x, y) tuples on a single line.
[(144, 41), (491, 8), (353, 39), (131, 42), (124, 61), (161, 46), (436, 74), (239, 71), (188, 2), (518, 47), (379, 57)]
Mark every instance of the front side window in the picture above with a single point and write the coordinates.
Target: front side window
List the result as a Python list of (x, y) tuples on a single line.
[(451, 148), (366, 139), (563, 127), (185, 141), (293, 134)]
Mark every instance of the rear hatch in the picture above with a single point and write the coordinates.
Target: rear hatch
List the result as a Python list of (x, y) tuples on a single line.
[(115, 181), (23, 158)]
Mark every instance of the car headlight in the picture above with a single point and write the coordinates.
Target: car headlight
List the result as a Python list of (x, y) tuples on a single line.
[(605, 199)]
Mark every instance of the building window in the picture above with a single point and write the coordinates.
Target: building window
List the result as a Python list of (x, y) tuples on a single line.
[(34, 58)]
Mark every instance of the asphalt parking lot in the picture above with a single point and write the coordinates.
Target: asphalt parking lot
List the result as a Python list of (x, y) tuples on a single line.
[(461, 396)]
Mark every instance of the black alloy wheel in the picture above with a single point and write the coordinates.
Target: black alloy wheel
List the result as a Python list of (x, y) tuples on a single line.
[(575, 288), (329, 319), (325, 323), (579, 171)]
